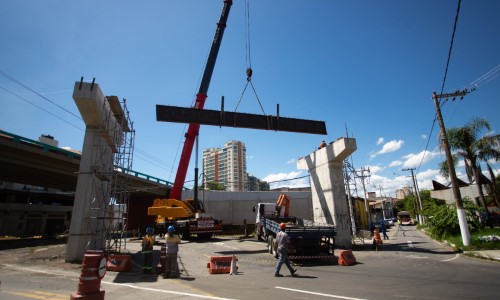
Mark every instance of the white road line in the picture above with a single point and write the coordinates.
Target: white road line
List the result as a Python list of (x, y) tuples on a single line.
[(120, 284), (166, 291), (416, 256), (318, 294), (450, 259)]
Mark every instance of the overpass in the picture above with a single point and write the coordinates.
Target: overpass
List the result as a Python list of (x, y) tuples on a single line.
[(30, 162), (47, 209)]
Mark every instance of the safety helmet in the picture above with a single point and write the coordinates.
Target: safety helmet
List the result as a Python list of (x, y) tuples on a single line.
[(282, 226), (171, 228), (149, 230)]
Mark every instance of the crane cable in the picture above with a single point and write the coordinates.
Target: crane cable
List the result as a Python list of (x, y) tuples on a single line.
[(249, 71)]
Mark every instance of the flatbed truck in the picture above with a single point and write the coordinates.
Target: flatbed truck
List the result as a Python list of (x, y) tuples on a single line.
[(308, 240)]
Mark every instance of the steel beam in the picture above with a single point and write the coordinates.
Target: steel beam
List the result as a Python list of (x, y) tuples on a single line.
[(176, 114)]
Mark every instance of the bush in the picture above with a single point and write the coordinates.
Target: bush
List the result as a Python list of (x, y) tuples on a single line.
[(443, 220)]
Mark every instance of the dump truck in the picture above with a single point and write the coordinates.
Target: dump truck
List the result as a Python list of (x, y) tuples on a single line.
[(308, 240)]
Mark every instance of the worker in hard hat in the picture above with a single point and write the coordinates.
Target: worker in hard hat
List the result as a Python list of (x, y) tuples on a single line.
[(172, 242), (322, 145), (282, 245), (147, 249)]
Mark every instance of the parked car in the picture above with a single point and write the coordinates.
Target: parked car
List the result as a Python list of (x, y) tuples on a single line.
[(389, 223)]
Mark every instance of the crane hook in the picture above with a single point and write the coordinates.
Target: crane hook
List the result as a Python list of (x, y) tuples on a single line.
[(249, 74)]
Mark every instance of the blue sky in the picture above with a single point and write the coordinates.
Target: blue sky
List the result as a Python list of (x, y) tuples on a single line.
[(370, 66)]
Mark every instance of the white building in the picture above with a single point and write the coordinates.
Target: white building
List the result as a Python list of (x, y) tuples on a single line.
[(227, 166)]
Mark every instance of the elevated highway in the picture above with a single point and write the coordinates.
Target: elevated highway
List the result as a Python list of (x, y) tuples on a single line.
[(34, 163)]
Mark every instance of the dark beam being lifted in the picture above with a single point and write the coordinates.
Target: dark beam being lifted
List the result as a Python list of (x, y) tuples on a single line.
[(239, 120)]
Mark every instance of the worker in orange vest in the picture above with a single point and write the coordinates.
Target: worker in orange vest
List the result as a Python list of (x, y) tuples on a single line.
[(147, 249)]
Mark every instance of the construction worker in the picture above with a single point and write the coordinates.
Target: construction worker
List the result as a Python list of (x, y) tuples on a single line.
[(400, 227), (147, 249), (171, 248), (322, 145), (282, 245)]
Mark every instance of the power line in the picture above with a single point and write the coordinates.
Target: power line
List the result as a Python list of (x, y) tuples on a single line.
[(444, 78), (16, 95), (37, 93)]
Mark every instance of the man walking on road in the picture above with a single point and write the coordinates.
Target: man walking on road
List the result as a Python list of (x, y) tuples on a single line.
[(282, 245)]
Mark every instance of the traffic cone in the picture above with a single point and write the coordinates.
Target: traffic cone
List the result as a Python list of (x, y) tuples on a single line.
[(234, 267)]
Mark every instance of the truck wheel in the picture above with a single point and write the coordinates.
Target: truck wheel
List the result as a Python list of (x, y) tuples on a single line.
[(270, 242), (205, 236), (185, 236)]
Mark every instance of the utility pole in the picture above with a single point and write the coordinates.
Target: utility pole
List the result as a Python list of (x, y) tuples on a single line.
[(462, 220), (367, 206), (383, 202), (419, 206)]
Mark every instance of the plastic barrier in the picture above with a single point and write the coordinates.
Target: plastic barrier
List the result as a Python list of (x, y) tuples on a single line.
[(160, 267), (376, 236), (93, 270), (346, 258), (119, 263), (220, 264)]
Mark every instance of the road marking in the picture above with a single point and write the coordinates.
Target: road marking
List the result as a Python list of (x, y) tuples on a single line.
[(166, 291), (38, 295), (410, 244), (121, 284), (224, 245), (450, 259), (318, 294), (416, 256)]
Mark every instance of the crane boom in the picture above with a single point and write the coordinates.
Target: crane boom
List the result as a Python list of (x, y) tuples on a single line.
[(194, 128)]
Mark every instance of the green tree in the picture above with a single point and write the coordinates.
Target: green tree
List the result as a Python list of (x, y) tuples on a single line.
[(473, 149), (215, 186)]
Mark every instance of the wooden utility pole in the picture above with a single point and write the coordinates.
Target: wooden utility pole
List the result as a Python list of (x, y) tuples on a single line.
[(462, 220), (367, 205), (419, 201)]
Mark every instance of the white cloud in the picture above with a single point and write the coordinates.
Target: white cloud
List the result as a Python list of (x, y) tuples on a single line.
[(395, 163), (291, 161), (287, 180), (380, 140), (413, 160), (424, 136), (375, 169), (389, 147)]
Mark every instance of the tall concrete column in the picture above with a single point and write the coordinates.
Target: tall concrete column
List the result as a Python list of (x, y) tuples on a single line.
[(92, 191), (329, 199)]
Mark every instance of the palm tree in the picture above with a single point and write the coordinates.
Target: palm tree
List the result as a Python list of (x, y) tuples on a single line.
[(474, 150)]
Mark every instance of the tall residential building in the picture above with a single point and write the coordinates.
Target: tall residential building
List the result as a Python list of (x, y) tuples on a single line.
[(226, 166)]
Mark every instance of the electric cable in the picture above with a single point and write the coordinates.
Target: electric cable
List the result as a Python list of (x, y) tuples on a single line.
[(444, 78), (37, 93), (39, 107)]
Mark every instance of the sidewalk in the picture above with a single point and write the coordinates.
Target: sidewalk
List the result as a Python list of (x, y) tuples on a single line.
[(397, 239)]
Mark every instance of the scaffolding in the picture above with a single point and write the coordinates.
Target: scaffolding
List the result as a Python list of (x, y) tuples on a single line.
[(110, 186), (351, 192)]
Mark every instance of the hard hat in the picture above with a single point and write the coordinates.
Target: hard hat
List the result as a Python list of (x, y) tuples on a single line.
[(171, 228), (282, 226), (149, 230)]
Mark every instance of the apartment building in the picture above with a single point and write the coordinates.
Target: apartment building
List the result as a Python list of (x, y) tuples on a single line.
[(227, 166)]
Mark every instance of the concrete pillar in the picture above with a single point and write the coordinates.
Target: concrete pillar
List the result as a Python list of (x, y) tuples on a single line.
[(86, 229), (329, 199)]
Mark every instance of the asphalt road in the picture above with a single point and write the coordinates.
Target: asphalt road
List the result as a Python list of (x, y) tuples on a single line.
[(404, 267)]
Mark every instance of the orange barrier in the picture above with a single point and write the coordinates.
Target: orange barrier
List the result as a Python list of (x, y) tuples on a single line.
[(119, 263), (376, 236), (160, 267), (220, 264), (93, 270), (346, 258)]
